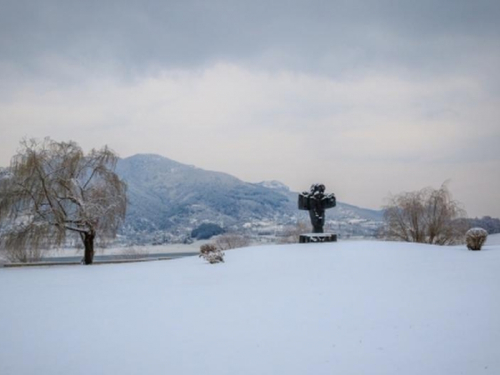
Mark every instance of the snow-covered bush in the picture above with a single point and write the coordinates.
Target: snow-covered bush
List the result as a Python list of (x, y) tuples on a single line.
[(475, 238), (211, 253)]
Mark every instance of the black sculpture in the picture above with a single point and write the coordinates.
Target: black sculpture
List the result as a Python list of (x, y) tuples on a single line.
[(316, 202)]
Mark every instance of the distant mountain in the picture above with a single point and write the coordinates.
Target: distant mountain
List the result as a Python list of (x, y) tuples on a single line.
[(165, 195)]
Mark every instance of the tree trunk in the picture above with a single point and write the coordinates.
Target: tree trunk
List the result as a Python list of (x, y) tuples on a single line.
[(88, 242)]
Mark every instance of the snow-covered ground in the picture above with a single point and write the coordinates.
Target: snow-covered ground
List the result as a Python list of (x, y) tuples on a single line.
[(493, 239), (345, 308)]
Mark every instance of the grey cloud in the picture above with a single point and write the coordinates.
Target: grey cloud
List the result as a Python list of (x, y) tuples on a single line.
[(323, 36)]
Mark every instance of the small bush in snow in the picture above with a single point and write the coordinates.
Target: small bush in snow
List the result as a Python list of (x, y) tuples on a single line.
[(475, 238), (211, 253), (230, 241)]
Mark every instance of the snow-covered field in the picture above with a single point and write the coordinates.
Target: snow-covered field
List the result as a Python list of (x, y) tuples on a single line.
[(493, 239), (346, 308)]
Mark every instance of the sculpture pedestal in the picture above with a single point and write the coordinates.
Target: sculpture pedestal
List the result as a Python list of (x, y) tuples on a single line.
[(317, 237)]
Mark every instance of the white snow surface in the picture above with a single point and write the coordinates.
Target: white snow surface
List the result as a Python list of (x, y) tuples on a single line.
[(343, 308), (493, 239)]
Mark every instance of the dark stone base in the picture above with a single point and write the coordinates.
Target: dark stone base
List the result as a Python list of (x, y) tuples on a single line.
[(317, 237)]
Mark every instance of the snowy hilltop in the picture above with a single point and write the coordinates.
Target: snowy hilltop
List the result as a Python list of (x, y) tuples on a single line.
[(344, 308)]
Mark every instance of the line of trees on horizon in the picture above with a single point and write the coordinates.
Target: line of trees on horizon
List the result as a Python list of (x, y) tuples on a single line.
[(488, 223)]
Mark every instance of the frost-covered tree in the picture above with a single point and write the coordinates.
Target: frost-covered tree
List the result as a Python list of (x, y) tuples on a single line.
[(53, 188), (426, 216)]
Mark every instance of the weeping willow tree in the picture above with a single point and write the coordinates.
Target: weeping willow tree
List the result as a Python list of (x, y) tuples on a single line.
[(426, 216), (52, 189)]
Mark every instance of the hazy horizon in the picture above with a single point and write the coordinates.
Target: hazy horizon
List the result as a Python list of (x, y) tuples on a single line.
[(369, 98)]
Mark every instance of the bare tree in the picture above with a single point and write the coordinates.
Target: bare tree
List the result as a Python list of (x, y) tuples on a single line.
[(292, 233), (230, 241), (53, 188), (426, 216)]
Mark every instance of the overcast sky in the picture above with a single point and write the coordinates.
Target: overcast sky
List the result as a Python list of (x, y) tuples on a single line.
[(367, 97)]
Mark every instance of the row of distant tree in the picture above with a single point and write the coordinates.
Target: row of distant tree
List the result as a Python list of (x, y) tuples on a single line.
[(490, 224)]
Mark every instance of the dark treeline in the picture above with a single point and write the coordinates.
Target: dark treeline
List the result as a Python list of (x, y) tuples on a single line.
[(492, 225)]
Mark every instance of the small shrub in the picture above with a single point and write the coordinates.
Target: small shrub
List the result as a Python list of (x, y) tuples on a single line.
[(292, 233), (475, 238), (230, 241), (211, 253)]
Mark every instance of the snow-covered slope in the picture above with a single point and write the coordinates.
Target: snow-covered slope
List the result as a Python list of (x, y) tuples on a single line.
[(493, 239), (345, 308)]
